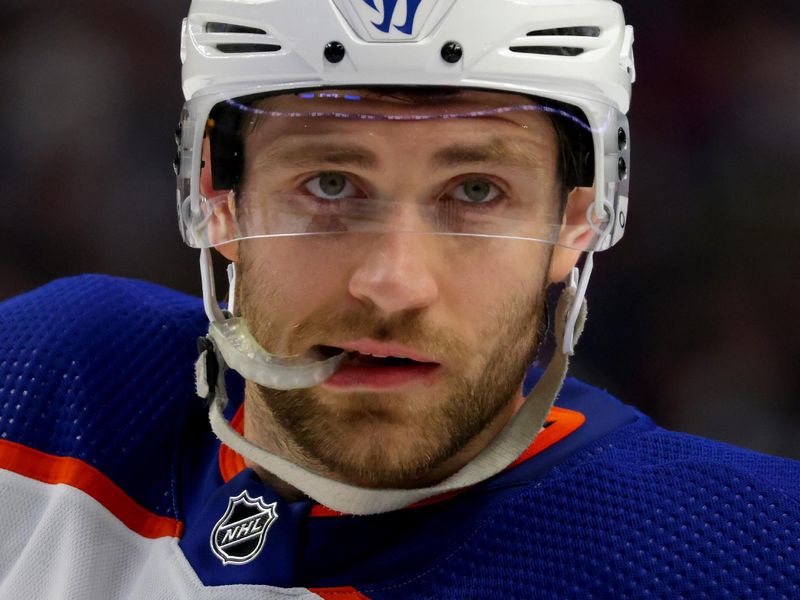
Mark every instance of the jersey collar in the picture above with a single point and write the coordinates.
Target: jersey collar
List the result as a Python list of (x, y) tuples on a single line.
[(560, 424)]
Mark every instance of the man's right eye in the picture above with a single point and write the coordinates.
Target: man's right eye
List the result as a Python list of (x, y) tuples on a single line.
[(330, 186)]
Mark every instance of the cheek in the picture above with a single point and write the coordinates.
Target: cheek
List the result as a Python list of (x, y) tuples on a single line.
[(291, 275), (481, 284)]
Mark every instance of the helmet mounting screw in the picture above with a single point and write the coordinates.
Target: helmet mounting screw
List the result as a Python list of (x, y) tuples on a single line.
[(623, 169), (622, 139), (452, 52), (334, 52)]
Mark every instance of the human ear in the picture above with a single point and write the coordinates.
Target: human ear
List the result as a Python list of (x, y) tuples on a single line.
[(222, 226), (222, 222), (575, 236)]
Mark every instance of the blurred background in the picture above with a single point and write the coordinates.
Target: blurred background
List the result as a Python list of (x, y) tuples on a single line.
[(694, 317)]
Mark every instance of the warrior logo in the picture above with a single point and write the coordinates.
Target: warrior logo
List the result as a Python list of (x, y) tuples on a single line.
[(389, 7), (239, 535), (393, 20)]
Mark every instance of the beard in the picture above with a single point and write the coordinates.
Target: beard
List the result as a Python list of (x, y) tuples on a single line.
[(392, 439)]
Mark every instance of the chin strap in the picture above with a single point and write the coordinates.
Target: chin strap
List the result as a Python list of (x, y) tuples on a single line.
[(501, 452), (578, 282), (235, 347)]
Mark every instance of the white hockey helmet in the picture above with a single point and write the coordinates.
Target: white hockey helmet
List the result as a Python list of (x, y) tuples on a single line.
[(302, 64), (574, 57)]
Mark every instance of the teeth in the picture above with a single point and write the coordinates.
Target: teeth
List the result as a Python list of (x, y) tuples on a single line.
[(381, 355)]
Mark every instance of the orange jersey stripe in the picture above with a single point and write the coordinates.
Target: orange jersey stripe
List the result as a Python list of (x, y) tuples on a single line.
[(52, 469), (232, 463), (338, 593), (563, 422)]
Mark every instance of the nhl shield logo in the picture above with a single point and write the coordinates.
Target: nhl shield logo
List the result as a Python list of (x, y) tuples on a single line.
[(239, 535)]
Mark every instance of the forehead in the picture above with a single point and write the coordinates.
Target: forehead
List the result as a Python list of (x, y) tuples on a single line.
[(405, 116), (399, 102)]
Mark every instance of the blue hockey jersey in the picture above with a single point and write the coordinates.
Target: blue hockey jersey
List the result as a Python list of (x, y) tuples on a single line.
[(112, 486)]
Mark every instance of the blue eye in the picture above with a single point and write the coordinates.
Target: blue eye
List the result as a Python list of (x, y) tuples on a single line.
[(330, 186), (476, 191)]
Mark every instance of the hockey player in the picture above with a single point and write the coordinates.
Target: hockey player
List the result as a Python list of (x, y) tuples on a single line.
[(395, 187)]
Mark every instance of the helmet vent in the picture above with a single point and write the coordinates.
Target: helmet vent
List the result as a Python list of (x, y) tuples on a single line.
[(246, 48), (217, 27), (568, 31), (230, 38), (561, 41)]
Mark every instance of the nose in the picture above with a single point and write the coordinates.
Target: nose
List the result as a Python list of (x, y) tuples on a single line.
[(395, 274)]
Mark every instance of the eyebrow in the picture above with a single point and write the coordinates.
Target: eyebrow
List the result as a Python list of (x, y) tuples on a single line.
[(496, 151), (316, 153)]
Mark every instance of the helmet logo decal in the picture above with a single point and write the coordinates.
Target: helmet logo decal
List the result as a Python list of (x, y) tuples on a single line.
[(389, 7), (393, 20), (239, 535)]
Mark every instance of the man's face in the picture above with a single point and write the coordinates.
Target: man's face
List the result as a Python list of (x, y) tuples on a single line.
[(455, 316)]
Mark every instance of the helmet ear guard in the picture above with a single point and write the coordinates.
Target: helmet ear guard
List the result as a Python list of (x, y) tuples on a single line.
[(576, 148), (227, 150)]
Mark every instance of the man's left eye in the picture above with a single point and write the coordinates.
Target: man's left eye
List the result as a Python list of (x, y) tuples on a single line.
[(476, 191), (330, 186)]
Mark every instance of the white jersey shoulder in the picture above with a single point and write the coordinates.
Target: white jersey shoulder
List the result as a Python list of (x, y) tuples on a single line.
[(61, 544)]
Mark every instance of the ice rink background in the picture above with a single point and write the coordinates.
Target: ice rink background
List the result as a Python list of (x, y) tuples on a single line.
[(694, 317)]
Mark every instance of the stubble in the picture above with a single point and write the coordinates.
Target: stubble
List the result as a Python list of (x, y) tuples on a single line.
[(393, 440)]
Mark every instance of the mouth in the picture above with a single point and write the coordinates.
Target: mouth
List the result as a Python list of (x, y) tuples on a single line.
[(383, 367)]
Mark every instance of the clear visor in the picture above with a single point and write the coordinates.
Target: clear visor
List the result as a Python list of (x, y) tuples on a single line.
[(479, 164)]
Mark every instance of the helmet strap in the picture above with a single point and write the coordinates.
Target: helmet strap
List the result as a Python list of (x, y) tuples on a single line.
[(578, 282), (512, 441)]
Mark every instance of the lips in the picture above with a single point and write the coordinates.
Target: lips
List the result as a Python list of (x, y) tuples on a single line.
[(370, 364)]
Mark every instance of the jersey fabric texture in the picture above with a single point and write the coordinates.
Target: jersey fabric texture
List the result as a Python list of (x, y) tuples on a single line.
[(112, 486)]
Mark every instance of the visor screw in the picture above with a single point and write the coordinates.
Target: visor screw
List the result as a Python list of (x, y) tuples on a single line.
[(623, 169), (452, 52), (334, 52), (622, 139)]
